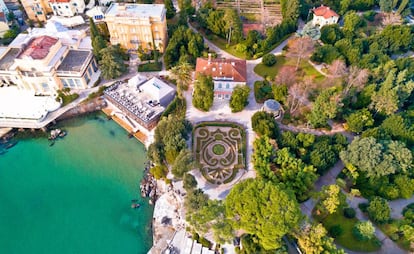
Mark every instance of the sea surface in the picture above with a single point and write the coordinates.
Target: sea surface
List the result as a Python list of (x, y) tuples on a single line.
[(75, 196)]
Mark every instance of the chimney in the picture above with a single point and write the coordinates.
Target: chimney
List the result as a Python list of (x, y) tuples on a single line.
[(209, 58)]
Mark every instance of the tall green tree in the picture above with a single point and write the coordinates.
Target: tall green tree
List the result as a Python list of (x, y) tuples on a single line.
[(239, 98), (290, 9), (203, 96), (376, 159), (263, 155), (379, 210), (330, 199), (385, 5), (359, 120), (170, 8), (363, 230), (182, 73), (183, 163), (265, 124), (263, 209), (326, 107), (233, 26), (313, 239), (111, 64)]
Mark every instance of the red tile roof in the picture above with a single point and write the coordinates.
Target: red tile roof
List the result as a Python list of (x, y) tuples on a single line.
[(223, 69), (325, 11), (38, 48)]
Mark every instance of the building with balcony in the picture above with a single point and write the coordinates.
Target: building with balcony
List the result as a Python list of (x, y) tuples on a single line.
[(67, 8), (135, 25), (36, 10), (226, 74), (45, 61)]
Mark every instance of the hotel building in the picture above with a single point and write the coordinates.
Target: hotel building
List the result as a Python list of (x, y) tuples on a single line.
[(45, 61), (134, 25), (36, 10)]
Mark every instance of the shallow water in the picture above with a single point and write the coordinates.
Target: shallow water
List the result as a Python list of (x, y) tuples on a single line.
[(74, 196)]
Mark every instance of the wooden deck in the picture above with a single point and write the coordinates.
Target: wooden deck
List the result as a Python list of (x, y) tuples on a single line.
[(138, 135)]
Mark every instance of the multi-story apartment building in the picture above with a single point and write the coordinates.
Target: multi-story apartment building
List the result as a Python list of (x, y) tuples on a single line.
[(226, 74), (36, 10), (44, 61), (134, 25), (67, 8)]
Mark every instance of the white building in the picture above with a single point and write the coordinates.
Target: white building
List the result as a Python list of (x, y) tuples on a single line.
[(97, 13), (67, 8), (3, 7), (226, 74), (323, 15)]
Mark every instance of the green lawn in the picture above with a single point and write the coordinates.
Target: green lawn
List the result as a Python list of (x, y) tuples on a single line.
[(391, 230), (150, 67), (347, 239), (266, 71), (305, 67)]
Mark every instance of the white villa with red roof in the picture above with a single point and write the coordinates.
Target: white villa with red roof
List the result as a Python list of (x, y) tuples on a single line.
[(323, 15), (226, 74)]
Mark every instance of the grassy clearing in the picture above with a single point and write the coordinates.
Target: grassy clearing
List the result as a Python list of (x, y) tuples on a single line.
[(347, 239), (150, 67), (271, 72)]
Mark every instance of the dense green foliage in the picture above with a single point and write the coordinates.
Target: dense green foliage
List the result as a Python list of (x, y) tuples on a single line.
[(313, 239), (269, 59), (263, 209), (112, 62), (183, 163), (189, 182), (170, 138), (379, 210), (364, 230), (265, 124), (239, 98), (322, 152), (374, 158), (170, 8), (224, 23), (262, 91), (183, 46), (330, 199), (203, 96)]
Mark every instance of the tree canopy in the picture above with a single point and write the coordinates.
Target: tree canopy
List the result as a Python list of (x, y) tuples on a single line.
[(111, 63), (263, 209), (203, 96), (265, 124), (239, 98)]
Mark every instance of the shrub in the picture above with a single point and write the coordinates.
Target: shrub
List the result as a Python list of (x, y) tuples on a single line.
[(269, 59), (379, 210), (205, 243), (363, 230), (262, 91), (363, 207), (336, 230), (349, 212)]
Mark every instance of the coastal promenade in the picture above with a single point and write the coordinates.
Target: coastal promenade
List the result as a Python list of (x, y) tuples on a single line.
[(52, 116)]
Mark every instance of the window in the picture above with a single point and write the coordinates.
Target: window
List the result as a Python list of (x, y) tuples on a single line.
[(74, 4), (86, 77), (219, 85), (227, 85), (45, 87), (71, 83), (219, 96), (90, 71), (95, 67), (65, 83), (227, 96), (78, 83)]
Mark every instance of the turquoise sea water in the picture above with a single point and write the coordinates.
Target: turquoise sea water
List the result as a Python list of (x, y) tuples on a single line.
[(74, 197)]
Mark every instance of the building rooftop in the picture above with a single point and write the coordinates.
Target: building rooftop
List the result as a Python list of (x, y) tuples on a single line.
[(325, 11), (38, 48), (271, 105), (74, 60), (136, 10), (8, 59), (223, 69), (157, 88)]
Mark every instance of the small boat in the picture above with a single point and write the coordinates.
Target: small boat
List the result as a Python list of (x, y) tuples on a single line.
[(62, 134), (135, 206)]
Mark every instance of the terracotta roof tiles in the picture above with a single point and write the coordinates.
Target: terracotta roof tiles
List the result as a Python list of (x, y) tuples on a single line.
[(38, 48), (325, 11), (223, 69)]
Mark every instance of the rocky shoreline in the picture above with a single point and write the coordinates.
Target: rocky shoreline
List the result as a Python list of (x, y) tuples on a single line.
[(148, 185)]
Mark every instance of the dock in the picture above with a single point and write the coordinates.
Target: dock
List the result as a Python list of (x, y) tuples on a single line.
[(124, 124), (4, 131)]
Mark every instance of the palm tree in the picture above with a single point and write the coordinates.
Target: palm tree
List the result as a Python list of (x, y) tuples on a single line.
[(183, 74)]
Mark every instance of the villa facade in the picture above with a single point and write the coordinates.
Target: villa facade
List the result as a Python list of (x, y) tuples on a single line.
[(323, 15), (226, 74), (137, 25)]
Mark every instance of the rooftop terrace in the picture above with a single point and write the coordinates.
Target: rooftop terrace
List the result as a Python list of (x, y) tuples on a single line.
[(136, 10), (74, 60)]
